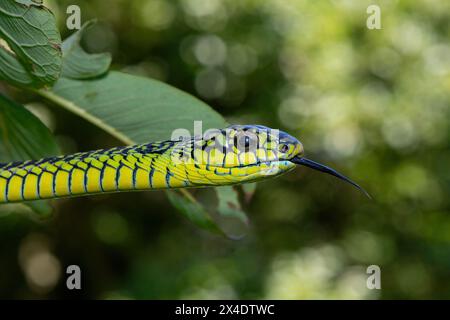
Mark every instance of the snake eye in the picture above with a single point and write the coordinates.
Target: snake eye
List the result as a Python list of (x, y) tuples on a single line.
[(245, 142), (284, 148)]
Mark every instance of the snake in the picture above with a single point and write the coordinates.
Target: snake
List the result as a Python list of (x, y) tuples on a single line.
[(234, 155)]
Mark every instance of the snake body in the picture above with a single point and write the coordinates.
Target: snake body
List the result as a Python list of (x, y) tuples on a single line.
[(233, 155)]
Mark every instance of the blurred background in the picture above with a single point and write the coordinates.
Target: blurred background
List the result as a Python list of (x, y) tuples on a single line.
[(373, 104)]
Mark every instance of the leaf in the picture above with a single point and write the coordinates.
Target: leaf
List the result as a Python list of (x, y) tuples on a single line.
[(39, 210), (34, 54), (249, 190), (12, 70), (229, 205), (77, 63), (194, 211), (42, 208), (23, 136), (134, 109), (233, 219), (139, 110)]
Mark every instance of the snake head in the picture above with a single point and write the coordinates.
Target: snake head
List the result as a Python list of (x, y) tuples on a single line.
[(278, 151), (246, 153), (242, 146)]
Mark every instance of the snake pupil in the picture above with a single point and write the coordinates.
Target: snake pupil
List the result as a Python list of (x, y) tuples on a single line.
[(247, 141), (284, 148)]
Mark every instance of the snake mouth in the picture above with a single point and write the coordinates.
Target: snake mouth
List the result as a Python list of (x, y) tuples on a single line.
[(322, 168), (257, 163)]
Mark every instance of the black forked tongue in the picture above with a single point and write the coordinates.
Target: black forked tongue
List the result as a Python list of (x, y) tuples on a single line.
[(320, 167)]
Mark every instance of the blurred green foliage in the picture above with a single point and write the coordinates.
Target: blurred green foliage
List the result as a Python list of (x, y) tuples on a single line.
[(372, 103)]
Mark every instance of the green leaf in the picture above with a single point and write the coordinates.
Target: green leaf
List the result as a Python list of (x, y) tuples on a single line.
[(41, 208), (133, 109), (232, 218), (12, 70), (36, 210), (34, 54), (194, 211), (229, 205), (249, 190), (77, 63), (23, 137)]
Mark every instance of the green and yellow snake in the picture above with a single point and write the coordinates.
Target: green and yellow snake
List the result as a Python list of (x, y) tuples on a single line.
[(236, 154)]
